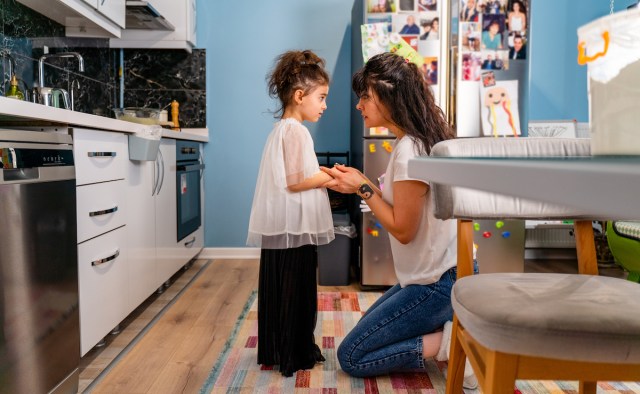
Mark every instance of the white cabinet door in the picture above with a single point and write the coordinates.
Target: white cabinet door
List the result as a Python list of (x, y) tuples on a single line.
[(102, 282), (114, 10), (191, 22), (92, 3), (169, 260), (141, 231), (180, 13)]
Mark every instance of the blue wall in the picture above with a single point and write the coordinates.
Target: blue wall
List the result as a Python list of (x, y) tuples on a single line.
[(558, 85), (242, 38)]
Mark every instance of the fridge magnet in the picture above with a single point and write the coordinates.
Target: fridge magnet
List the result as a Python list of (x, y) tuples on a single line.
[(406, 24), (407, 5), (499, 110), (375, 39), (412, 41), (381, 6), (372, 148), (430, 27), (387, 146), (492, 31), (470, 36), (488, 60), (471, 66), (427, 5), (430, 70), (378, 131), (517, 16), (469, 11), (380, 18), (488, 79)]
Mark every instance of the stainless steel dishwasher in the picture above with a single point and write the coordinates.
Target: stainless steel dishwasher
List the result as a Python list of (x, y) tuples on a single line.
[(39, 316)]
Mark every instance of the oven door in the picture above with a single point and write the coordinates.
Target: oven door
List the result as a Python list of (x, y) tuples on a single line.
[(188, 198)]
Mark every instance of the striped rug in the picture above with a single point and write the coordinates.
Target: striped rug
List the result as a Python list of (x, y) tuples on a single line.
[(236, 371)]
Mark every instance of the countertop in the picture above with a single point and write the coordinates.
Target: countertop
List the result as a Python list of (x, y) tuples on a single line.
[(24, 113), (606, 186)]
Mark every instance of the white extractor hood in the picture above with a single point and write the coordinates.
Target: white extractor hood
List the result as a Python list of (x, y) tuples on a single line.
[(142, 15)]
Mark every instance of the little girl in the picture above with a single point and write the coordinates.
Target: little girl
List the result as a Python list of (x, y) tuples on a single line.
[(290, 216)]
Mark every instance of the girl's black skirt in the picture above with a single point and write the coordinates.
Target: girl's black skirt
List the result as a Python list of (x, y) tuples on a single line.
[(287, 309)]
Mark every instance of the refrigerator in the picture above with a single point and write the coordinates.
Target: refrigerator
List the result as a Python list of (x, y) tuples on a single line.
[(478, 79)]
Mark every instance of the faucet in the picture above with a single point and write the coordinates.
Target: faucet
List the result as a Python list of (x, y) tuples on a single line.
[(46, 94)]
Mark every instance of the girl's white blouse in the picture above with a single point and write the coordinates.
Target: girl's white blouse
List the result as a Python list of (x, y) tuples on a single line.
[(282, 219)]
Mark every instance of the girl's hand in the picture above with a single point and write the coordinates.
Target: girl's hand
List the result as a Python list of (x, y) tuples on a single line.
[(345, 179)]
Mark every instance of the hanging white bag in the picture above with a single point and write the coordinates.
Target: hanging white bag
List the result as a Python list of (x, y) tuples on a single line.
[(610, 47)]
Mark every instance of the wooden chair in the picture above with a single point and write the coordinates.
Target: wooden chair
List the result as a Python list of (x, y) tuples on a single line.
[(534, 326)]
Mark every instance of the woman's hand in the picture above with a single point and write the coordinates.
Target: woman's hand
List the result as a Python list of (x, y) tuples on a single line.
[(345, 179)]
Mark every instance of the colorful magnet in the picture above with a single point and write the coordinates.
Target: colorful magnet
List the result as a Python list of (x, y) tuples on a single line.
[(506, 234), (378, 225), (387, 146), (372, 148), (499, 224), (476, 226), (374, 233), (486, 234)]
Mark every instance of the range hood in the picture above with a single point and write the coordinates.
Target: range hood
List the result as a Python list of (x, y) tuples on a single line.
[(143, 16)]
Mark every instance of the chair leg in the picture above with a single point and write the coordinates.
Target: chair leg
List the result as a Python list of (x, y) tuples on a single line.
[(585, 247), (587, 387), (455, 370), (465, 248), (501, 372)]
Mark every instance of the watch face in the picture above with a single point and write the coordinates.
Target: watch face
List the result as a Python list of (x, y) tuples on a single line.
[(365, 191)]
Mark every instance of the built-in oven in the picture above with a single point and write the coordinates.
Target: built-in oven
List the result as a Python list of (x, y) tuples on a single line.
[(190, 169)]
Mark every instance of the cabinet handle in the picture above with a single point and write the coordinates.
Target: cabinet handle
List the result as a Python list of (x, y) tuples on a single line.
[(189, 244), (106, 259), (101, 154), (161, 178), (103, 212)]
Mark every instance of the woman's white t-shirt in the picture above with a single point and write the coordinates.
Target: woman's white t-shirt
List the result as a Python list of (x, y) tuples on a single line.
[(433, 251), (281, 219)]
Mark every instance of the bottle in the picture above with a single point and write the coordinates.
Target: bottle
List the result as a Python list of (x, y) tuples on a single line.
[(174, 115), (14, 91)]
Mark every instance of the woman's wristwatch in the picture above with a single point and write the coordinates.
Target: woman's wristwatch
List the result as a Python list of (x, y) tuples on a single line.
[(365, 191)]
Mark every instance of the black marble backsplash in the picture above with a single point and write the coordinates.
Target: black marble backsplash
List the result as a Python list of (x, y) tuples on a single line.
[(151, 78)]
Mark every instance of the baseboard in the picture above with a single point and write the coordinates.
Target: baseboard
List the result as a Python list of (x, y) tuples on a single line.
[(230, 253)]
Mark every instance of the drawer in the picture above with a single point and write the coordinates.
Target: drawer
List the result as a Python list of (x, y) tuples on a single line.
[(100, 208), (102, 283), (99, 155)]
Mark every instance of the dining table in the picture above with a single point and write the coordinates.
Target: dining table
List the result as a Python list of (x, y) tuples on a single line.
[(606, 186)]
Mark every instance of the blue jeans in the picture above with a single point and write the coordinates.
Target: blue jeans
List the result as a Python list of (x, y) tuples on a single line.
[(388, 337)]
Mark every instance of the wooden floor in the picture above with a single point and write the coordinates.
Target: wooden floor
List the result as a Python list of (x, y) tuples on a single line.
[(178, 352)]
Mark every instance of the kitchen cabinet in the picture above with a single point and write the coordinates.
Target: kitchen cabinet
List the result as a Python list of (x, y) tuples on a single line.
[(114, 10), (169, 259), (102, 243), (83, 18), (142, 177), (180, 13)]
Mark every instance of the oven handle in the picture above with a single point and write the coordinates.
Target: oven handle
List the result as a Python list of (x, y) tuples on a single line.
[(191, 168)]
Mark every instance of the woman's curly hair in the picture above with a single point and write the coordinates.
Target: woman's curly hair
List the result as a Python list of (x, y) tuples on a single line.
[(405, 93)]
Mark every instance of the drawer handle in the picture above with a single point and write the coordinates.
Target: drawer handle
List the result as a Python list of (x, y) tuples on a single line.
[(101, 154), (106, 259), (189, 244), (103, 212)]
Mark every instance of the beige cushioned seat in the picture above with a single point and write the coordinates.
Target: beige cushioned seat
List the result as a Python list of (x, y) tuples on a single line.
[(451, 201), (559, 316)]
